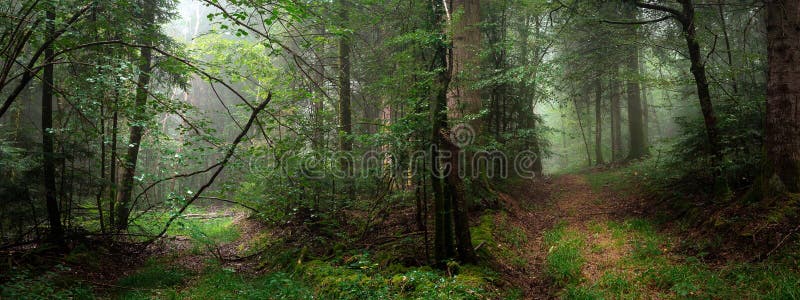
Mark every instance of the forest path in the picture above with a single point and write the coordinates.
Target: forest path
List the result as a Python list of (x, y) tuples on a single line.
[(566, 202)]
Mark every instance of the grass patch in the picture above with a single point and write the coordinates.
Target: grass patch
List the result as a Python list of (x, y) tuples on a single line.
[(218, 282), (564, 259), (649, 270), (500, 239), (155, 278)]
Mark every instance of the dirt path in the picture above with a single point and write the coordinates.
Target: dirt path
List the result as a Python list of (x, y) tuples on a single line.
[(568, 200)]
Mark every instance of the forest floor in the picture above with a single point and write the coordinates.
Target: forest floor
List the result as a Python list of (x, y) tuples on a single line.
[(565, 203), (587, 235), (594, 236)]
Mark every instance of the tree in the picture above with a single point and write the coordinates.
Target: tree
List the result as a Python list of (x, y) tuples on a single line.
[(463, 100), (123, 197), (48, 161), (635, 124), (598, 119), (345, 114), (782, 142), (686, 18), (616, 112)]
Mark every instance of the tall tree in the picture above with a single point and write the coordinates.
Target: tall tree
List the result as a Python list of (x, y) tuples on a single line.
[(782, 141), (345, 113), (598, 120), (462, 99), (635, 124), (48, 132), (686, 17), (125, 190), (616, 123)]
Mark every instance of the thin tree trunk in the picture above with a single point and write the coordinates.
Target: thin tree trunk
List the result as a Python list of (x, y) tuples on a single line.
[(598, 118), (583, 134), (728, 52), (645, 108), (345, 112), (140, 115), (698, 70), (782, 141), (113, 164), (102, 188), (616, 113), (48, 132)]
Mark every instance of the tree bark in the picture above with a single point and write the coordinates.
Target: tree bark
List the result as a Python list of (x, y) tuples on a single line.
[(462, 100), (443, 219), (782, 143), (48, 141)]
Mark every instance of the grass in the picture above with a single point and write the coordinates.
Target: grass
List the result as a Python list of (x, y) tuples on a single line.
[(312, 280), (500, 239), (649, 268), (564, 258), (156, 278)]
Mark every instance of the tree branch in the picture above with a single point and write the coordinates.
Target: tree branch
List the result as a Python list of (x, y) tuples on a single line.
[(222, 164), (637, 22)]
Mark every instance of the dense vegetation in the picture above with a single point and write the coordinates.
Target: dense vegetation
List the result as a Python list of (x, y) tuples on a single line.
[(399, 149)]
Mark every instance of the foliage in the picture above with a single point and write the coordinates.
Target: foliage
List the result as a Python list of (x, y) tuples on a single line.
[(25, 285)]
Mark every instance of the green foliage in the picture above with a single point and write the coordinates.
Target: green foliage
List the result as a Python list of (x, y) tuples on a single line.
[(422, 283), (218, 282), (155, 276), (22, 284), (689, 166)]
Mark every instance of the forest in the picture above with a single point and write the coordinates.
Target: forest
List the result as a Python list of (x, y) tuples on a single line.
[(400, 149)]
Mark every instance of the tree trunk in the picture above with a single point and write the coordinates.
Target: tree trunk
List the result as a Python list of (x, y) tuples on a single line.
[(443, 219), (458, 192), (137, 121), (635, 126), (598, 119), (113, 163), (529, 93), (645, 109), (462, 100), (345, 112), (48, 141), (698, 70), (616, 113), (583, 134), (728, 52), (782, 143)]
